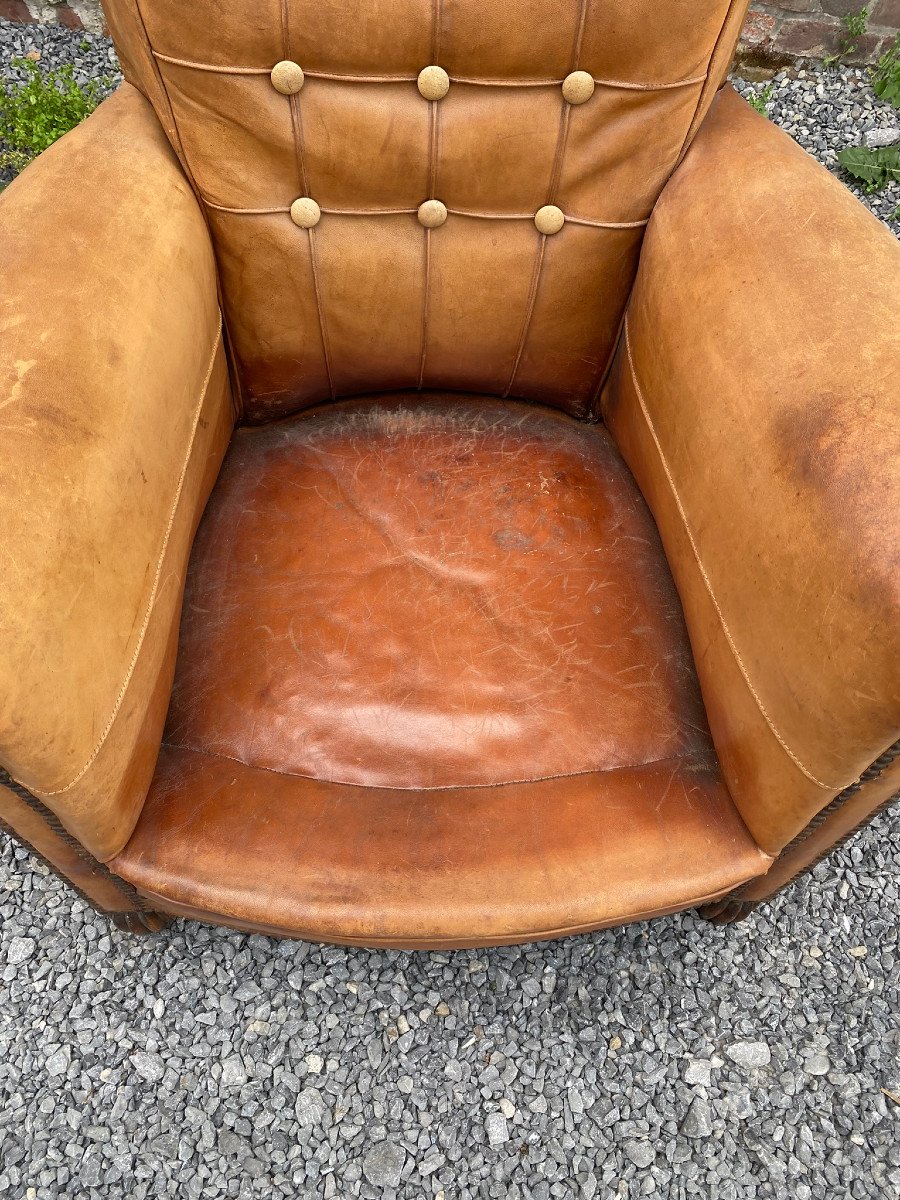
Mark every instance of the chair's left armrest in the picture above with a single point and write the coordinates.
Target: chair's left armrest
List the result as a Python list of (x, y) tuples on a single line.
[(756, 398), (115, 412)]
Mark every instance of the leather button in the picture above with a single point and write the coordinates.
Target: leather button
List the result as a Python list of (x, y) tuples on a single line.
[(433, 83), (432, 214), (305, 212), (549, 219), (287, 77), (578, 87)]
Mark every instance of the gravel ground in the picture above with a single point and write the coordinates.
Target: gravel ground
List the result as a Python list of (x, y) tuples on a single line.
[(827, 111), (670, 1058)]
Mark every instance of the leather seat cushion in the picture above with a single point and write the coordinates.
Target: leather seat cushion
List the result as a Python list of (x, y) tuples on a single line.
[(433, 687)]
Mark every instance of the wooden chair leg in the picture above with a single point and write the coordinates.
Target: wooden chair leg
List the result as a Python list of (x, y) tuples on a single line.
[(28, 821)]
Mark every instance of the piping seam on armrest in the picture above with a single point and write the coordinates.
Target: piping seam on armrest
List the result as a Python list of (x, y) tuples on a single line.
[(154, 591), (830, 787)]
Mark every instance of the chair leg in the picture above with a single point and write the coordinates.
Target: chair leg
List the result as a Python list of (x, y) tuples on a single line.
[(140, 923), (875, 791), (727, 911), (34, 826)]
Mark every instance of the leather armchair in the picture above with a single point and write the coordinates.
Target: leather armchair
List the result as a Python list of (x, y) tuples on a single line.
[(539, 403)]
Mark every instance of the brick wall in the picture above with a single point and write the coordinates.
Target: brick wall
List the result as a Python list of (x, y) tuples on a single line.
[(792, 28), (813, 29)]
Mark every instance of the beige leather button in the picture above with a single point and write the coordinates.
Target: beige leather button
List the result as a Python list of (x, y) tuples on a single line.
[(578, 87), (432, 214), (549, 219), (287, 77), (305, 212), (433, 83)]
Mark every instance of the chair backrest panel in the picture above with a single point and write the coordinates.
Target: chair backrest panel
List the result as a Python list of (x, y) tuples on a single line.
[(369, 298)]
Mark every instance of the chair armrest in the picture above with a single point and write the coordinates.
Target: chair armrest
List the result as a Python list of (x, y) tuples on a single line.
[(755, 398), (115, 412)]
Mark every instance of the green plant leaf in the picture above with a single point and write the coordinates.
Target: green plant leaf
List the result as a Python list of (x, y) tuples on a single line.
[(886, 74), (874, 167), (48, 104)]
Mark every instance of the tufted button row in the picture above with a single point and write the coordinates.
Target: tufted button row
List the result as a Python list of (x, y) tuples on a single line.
[(431, 214), (433, 82)]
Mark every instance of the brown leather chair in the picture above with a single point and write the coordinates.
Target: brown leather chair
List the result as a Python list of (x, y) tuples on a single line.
[(539, 400)]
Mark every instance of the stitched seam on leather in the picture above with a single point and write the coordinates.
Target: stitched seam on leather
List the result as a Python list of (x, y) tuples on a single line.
[(234, 379), (426, 290), (704, 91), (321, 312), (604, 374), (180, 151), (474, 81), (434, 116), (724, 624), (873, 772), (154, 591), (436, 30), (453, 787), (297, 134), (293, 103), (529, 311)]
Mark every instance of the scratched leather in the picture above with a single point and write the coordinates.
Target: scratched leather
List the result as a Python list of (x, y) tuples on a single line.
[(451, 867), (398, 595)]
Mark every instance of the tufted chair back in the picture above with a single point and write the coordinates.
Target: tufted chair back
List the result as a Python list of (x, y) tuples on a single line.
[(425, 193)]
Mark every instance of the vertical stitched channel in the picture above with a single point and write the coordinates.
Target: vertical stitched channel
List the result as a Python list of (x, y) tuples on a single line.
[(561, 140), (433, 150), (297, 132)]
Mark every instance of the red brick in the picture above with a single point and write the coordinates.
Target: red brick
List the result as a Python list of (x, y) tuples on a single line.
[(15, 10), (68, 17), (759, 29), (887, 14), (812, 39), (839, 8), (868, 48)]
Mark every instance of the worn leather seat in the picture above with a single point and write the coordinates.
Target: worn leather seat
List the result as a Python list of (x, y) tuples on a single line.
[(541, 456), (472, 696)]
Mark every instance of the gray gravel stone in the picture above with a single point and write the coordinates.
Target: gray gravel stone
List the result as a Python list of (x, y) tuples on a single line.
[(817, 1064), (496, 1128), (233, 1073), (58, 1062), (698, 1071), (149, 1066), (641, 1154), (213, 1065), (20, 950), (383, 1164), (749, 1054), (310, 1107), (886, 136), (698, 1119)]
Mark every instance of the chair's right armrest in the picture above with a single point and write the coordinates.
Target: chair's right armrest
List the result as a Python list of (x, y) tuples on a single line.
[(756, 398), (115, 413)]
